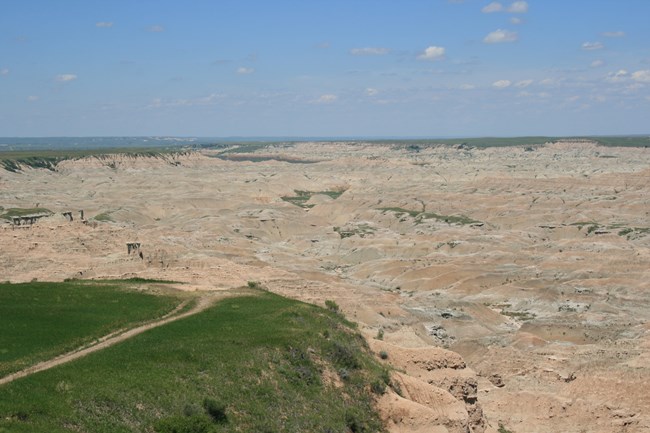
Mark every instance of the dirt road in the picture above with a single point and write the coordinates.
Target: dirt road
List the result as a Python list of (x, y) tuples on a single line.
[(112, 339)]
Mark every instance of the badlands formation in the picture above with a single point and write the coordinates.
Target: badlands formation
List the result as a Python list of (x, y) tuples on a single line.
[(510, 286)]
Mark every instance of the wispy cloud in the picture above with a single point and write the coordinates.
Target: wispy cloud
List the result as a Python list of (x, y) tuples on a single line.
[(433, 53), (592, 46), (210, 99), (540, 95), (617, 34), (467, 87), (617, 76), (523, 83), (597, 63), (245, 71), (492, 7), (327, 99), (369, 51), (502, 84), (156, 29), (33, 98), (104, 24), (4, 71), (372, 92), (518, 7), (641, 76), (500, 36), (63, 78), (516, 20)]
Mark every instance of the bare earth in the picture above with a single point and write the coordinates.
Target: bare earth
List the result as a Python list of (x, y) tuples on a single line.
[(531, 313)]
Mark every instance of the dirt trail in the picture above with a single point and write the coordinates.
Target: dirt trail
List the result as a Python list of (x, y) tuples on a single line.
[(112, 339)]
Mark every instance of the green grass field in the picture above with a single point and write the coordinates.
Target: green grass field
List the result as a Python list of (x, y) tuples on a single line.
[(247, 364), (41, 320)]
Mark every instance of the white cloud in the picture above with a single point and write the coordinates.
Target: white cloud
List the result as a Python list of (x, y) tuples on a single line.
[(65, 77), (372, 92), (245, 71), (523, 83), (327, 99), (492, 7), (210, 99), (104, 24), (432, 53), (516, 20), (499, 36), (369, 51), (518, 7), (618, 34), (540, 95), (156, 29), (4, 71), (502, 84), (641, 76), (618, 76), (591, 46), (597, 63), (33, 98), (467, 86)]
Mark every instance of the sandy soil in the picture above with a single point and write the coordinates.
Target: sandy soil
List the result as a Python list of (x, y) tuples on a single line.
[(544, 295)]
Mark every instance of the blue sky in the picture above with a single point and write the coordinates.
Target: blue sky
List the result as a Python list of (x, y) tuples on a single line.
[(324, 67)]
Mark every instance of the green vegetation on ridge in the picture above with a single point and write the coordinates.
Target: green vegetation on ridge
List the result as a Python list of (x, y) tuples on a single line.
[(8, 214), (421, 216), (259, 363), (13, 160), (41, 320), (302, 197)]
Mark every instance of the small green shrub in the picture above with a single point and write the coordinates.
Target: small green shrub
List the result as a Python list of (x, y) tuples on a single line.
[(502, 429), (332, 306), (380, 334), (383, 354), (191, 409), (356, 422), (378, 387), (343, 355), (254, 285), (625, 232), (216, 410)]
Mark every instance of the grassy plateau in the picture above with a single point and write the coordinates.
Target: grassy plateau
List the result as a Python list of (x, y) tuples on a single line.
[(42, 320), (254, 363)]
